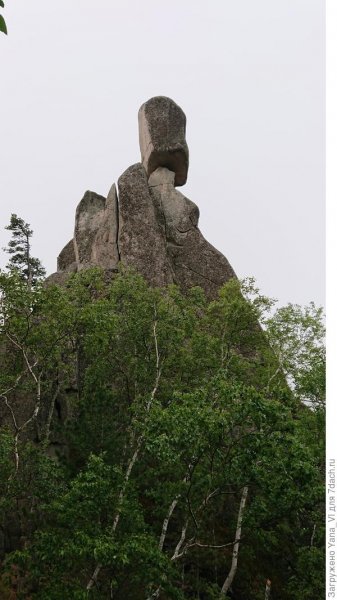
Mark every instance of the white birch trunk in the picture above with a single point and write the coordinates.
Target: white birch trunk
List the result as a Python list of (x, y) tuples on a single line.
[(268, 589), (93, 579), (234, 566)]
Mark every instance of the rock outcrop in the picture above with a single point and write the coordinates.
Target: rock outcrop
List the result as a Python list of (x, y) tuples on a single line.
[(141, 240), (194, 261), (162, 128), (148, 224)]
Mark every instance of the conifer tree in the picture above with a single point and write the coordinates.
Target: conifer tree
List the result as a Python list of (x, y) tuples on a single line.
[(19, 247)]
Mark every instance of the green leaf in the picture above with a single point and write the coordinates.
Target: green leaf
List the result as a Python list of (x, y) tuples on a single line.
[(2, 4), (3, 27)]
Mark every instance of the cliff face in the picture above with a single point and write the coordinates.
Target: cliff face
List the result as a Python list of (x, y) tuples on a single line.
[(147, 223)]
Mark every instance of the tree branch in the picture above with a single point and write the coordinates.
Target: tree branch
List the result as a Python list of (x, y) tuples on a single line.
[(182, 538)]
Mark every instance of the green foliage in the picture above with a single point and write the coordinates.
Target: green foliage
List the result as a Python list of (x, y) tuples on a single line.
[(19, 248), (297, 336), (160, 409), (3, 26)]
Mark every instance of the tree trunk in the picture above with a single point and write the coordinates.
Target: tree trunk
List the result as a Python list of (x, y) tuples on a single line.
[(232, 572)]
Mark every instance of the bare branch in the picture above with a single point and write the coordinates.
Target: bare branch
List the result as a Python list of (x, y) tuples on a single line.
[(94, 576), (37, 381), (182, 538), (11, 411), (276, 372), (208, 498), (16, 383), (21, 347), (214, 546), (192, 543)]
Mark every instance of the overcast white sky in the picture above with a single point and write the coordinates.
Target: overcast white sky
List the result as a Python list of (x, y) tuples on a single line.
[(249, 75)]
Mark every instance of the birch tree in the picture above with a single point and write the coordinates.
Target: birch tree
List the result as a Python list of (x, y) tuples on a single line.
[(188, 471)]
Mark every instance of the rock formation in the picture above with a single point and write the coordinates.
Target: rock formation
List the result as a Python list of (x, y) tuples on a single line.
[(162, 128), (148, 224)]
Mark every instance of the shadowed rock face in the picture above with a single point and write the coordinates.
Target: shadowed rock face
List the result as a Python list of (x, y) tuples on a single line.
[(194, 261), (96, 225), (66, 260), (148, 224), (95, 235)]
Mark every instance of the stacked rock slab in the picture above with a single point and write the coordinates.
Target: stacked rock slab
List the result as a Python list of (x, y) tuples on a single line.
[(148, 225), (162, 128)]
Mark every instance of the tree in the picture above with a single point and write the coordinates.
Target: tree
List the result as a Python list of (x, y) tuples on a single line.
[(297, 336), (3, 27), (190, 466), (19, 248)]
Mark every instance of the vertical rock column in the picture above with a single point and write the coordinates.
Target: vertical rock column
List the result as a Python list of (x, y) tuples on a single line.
[(96, 226), (95, 235), (141, 241)]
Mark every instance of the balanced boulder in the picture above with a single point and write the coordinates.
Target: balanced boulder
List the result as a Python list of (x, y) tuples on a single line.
[(162, 127), (147, 224)]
